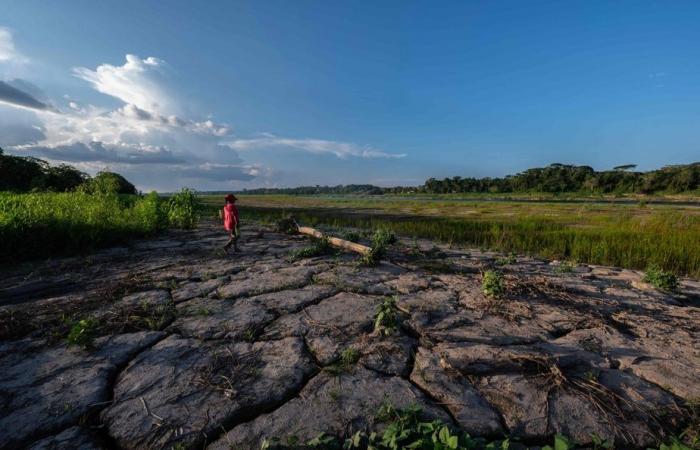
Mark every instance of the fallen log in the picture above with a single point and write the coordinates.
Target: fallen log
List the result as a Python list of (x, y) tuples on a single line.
[(336, 242)]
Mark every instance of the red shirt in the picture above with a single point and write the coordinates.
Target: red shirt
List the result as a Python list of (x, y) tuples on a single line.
[(230, 216)]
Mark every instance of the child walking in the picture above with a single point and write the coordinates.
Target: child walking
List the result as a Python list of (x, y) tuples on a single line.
[(230, 216)]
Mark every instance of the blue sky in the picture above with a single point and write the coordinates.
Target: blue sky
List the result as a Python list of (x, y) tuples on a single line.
[(224, 95)]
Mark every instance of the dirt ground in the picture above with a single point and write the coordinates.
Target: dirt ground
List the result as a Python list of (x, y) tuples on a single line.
[(182, 346)]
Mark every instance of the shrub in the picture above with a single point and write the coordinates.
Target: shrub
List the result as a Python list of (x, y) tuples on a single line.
[(108, 183), (380, 240), (182, 209), (492, 284), (666, 281)]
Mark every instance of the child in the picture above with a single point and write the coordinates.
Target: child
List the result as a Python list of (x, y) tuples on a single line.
[(230, 216)]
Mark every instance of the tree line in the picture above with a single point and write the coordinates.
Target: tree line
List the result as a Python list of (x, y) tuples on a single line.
[(28, 174), (555, 178), (558, 178)]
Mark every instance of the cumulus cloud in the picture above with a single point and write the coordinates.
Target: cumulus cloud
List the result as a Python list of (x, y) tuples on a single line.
[(8, 53), (13, 96), (316, 146), (138, 82), (147, 138)]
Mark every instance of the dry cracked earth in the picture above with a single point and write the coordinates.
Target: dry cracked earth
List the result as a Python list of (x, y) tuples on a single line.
[(195, 349)]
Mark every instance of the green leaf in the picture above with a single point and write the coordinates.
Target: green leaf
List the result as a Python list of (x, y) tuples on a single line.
[(561, 443)]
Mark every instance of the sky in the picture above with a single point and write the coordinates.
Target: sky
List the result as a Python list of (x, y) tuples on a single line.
[(242, 94)]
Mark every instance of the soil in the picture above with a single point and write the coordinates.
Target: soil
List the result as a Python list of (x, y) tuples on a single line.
[(187, 347)]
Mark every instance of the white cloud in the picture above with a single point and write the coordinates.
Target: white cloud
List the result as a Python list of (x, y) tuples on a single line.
[(316, 146), (147, 138), (8, 53), (138, 82)]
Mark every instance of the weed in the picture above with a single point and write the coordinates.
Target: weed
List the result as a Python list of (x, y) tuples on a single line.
[(387, 317), (492, 284), (318, 247), (666, 281), (348, 358), (564, 267), (512, 258), (82, 333), (380, 240)]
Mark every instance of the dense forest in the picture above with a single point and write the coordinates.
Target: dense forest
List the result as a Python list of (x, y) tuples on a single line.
[(27, 174), (555, 178)]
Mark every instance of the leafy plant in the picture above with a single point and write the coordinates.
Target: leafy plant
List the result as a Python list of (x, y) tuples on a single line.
[(560, 443), (182, 209), (492, 284), (82, 333), (386, 317), (380, 240), (666, 281)]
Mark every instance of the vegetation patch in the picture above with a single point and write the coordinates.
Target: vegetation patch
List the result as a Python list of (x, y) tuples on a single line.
[(406, 429), (666, 281), (612, 235), (348, 358), (82, 333), (318, 247), (386, 319), (381, 239), (492, 284)]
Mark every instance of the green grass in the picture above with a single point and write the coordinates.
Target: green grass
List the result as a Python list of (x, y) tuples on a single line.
[(39, 225), (609, 234)]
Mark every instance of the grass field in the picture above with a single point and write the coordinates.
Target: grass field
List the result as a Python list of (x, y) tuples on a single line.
[(635, 235)]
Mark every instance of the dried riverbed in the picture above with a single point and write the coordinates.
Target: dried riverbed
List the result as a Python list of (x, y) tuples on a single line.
[(195, 349)]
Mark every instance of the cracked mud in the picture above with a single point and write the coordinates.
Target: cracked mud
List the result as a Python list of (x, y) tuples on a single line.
[(193, 349)]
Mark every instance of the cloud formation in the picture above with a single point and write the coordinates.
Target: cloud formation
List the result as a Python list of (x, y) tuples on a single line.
[(138, 82), (8, 53), (147, 138), (316, 146), (13, 96), (99, 152)]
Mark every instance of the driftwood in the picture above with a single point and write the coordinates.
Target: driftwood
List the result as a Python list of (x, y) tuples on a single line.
[(336, 242)]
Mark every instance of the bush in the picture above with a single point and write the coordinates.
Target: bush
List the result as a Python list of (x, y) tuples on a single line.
[(380, 240), (108, 183), (492, 284), (182, 209), (666, 281)]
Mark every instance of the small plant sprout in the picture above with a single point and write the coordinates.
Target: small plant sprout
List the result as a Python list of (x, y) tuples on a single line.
[(386, 318), (347, 360), (82, 333), (666, 281), (492, 284)]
